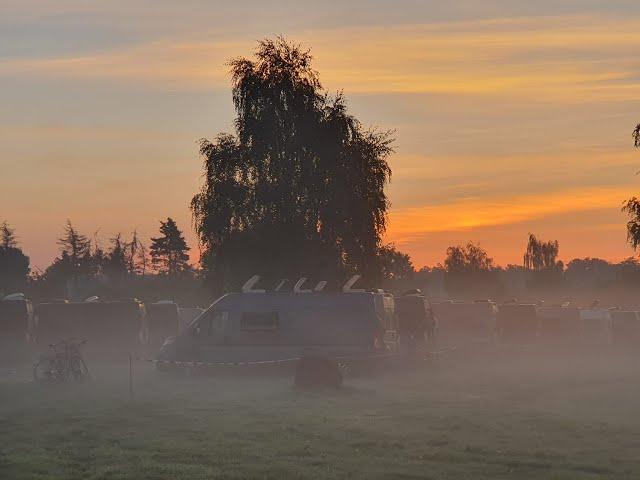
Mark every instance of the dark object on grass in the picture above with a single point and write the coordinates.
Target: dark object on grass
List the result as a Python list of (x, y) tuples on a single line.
[(317, 372)]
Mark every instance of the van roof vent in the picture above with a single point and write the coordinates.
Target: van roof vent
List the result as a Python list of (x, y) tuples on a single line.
[(350, 283), (248, 286), (297, 288), (14, 297), (320, 286), (280, 285)]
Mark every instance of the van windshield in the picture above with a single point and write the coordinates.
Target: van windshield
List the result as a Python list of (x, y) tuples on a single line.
[(210, 324)]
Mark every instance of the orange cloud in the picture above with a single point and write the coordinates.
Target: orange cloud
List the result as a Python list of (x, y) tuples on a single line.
[(473, 213)]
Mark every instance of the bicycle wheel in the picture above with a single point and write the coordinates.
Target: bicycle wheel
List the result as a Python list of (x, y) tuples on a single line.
[(46, 370), (79, 370)]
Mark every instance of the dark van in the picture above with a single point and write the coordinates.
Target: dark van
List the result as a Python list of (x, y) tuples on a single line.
[(247, 326)]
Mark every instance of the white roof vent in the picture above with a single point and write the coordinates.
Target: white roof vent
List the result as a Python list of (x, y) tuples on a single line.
[(280, 285), (248, 286), (14, 297), (320, 286), (297, 288), (350, 283)]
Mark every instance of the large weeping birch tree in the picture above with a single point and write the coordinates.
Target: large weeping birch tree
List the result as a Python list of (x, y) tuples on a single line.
[(298, 188), (632, 206)]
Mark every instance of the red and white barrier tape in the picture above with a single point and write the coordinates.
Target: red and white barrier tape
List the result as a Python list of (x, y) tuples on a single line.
[(216, 364), (339, 359)]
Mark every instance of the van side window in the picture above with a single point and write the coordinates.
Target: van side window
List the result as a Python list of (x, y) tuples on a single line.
[(214, 323), (259, 321)]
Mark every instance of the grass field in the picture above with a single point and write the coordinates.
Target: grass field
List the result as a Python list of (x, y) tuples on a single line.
[(497, 414)]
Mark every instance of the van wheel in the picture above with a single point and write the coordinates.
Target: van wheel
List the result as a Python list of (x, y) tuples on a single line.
[(314, 372)]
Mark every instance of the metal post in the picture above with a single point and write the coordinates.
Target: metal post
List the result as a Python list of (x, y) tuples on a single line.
[(130, 378)]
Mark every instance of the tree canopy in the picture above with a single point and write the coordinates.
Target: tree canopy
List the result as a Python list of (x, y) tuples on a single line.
[(395, 264), (299, 187), (470, 258), (541, 255), (169, 251)]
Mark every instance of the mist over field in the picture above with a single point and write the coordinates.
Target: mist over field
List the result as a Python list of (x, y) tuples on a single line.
[(493, 412)]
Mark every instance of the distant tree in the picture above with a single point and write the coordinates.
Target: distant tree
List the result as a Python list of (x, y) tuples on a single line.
[(300, 186), (115, 261), (77, 263), (628, 271), (7, 236), (540, 260), (76, 246), (470, 269), (471, 258), (636, 136), (590, 272), (136, 256), (169, 251), (395, 264), (14, 264), (542, 255)]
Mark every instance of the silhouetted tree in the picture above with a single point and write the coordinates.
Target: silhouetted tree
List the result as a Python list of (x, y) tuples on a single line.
[(541, 255), (471, 258), (628, 271), (14, 264), (590, 272), (136, 256), (395, 265), (542, 264), (169, 251), (632, 208), (470, 269), (76, 245), (300, 186), (114, 263), (76, 258), (7, 236)]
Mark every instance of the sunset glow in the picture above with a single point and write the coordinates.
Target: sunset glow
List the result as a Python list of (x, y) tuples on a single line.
[(506, 122)]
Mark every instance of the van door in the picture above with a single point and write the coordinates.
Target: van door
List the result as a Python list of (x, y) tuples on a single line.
[(211, 332)]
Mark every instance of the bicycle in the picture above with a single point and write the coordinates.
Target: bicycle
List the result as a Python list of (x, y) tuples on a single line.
[(64, 363)]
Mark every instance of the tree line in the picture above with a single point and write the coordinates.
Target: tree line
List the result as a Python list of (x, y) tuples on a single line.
[(82, 263), (128, 267)]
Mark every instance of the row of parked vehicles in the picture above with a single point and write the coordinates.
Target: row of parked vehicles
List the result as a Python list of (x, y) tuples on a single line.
[(519, 322), (124, 323), (278, 323)]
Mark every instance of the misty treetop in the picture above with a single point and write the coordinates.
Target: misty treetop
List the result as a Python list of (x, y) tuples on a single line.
[(299, 187)]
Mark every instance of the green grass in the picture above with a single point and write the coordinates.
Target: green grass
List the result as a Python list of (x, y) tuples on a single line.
[(473, 417)]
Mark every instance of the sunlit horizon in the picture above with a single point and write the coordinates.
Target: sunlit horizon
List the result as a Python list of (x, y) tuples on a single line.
[(507, 122)]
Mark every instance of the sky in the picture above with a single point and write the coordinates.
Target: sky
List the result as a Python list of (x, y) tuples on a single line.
[(510, 116)]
